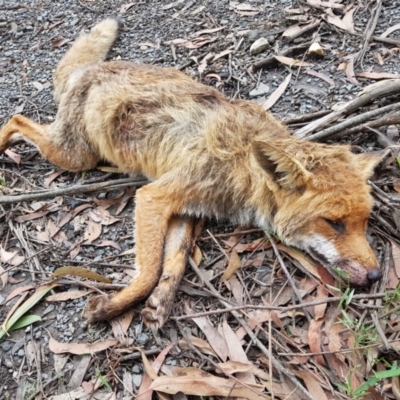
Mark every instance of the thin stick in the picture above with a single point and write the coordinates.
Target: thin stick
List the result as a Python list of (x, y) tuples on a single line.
[(357, 120), (71, 190)]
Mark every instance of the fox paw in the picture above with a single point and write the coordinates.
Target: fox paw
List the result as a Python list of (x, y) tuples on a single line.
[(158, 307), (98, 309)]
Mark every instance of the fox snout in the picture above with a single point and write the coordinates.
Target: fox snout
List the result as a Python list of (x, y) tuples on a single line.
[(351, 262)]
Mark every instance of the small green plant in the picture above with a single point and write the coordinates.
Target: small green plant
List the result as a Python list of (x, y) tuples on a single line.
[(346, 388), (393, 296), (364, 334), (346, 297), (398, 161), (102, 379)]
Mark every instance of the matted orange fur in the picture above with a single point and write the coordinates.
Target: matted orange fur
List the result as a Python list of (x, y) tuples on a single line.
[(205, 156)]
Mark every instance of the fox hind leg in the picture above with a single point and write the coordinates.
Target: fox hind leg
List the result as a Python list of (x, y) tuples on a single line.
[(177, 248)]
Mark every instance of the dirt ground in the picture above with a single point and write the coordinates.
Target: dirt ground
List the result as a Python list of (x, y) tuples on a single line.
[(320, 351)]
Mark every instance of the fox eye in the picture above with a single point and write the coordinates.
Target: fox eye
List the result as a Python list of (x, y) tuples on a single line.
[(336, 225)]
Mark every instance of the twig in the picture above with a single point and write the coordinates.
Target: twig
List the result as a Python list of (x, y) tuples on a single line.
[(71, 190), (93, 285), (267, 62), (305, 117), (137, 355), (251, 334), (391, 86), (369, 31), (348, 123), (380, 331), (302, 31)]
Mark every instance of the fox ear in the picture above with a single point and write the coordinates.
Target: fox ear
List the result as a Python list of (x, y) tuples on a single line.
[(368, 161), (284, 169)]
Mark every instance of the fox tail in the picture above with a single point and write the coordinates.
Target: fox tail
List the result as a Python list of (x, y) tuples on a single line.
[(87, 49)]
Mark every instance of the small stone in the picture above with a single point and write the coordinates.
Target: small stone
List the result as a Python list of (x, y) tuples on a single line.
[(259, 45), (5, 347), (261, 89), (137, 379), (21, 353), (8, 364), (136, 369), (142, 338)]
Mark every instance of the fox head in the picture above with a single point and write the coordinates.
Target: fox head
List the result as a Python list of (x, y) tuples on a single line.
[(322, 204)]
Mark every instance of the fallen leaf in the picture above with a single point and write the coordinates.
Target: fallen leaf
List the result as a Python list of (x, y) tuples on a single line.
[(191, 44), (327, 4), (17, 291), (378, 75), (320, 75), (80, 348), (390, 30), (100, 214), (233, 266), (14, 156), (92, 232), (38, 86), (59, 42), (50, 178), (11, 257), (314, 340), (313, 384), (145, 393), (205, 385), (213, 30), (273, 98), (306, 262), (291, 62), (200, 344), (316, 50), (81, 272), (70, 295), (396, 257), (30, 217), (125, 7), (3, 276), (215, 339)]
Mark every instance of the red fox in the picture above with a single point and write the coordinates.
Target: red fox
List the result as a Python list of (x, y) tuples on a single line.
[(204, 155)]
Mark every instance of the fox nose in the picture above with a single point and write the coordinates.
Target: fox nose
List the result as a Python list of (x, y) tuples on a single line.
[(374, 275)]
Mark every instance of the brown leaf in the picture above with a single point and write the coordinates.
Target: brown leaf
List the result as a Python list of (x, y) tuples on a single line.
[(291, 62), (319, 310), (334, 340), (17, 291), (204, 385), (92, 232), (378, 75), (320, 75), (145, 393), (50, 178), (396, 257), (213, 30), (191, 44), (215, 339), (3, 276), (200, 344), (314, 340), (313, 384), (30, 217), (103, 216), (11, 257), (236, 353), (273, 98), (233, 266), (327, 4), (82, 272), (346, 23), (14, 156), (390, 30), (125, 7), (59, 42), (80, 348), (73, 294), (350, 71), (305, 261)]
